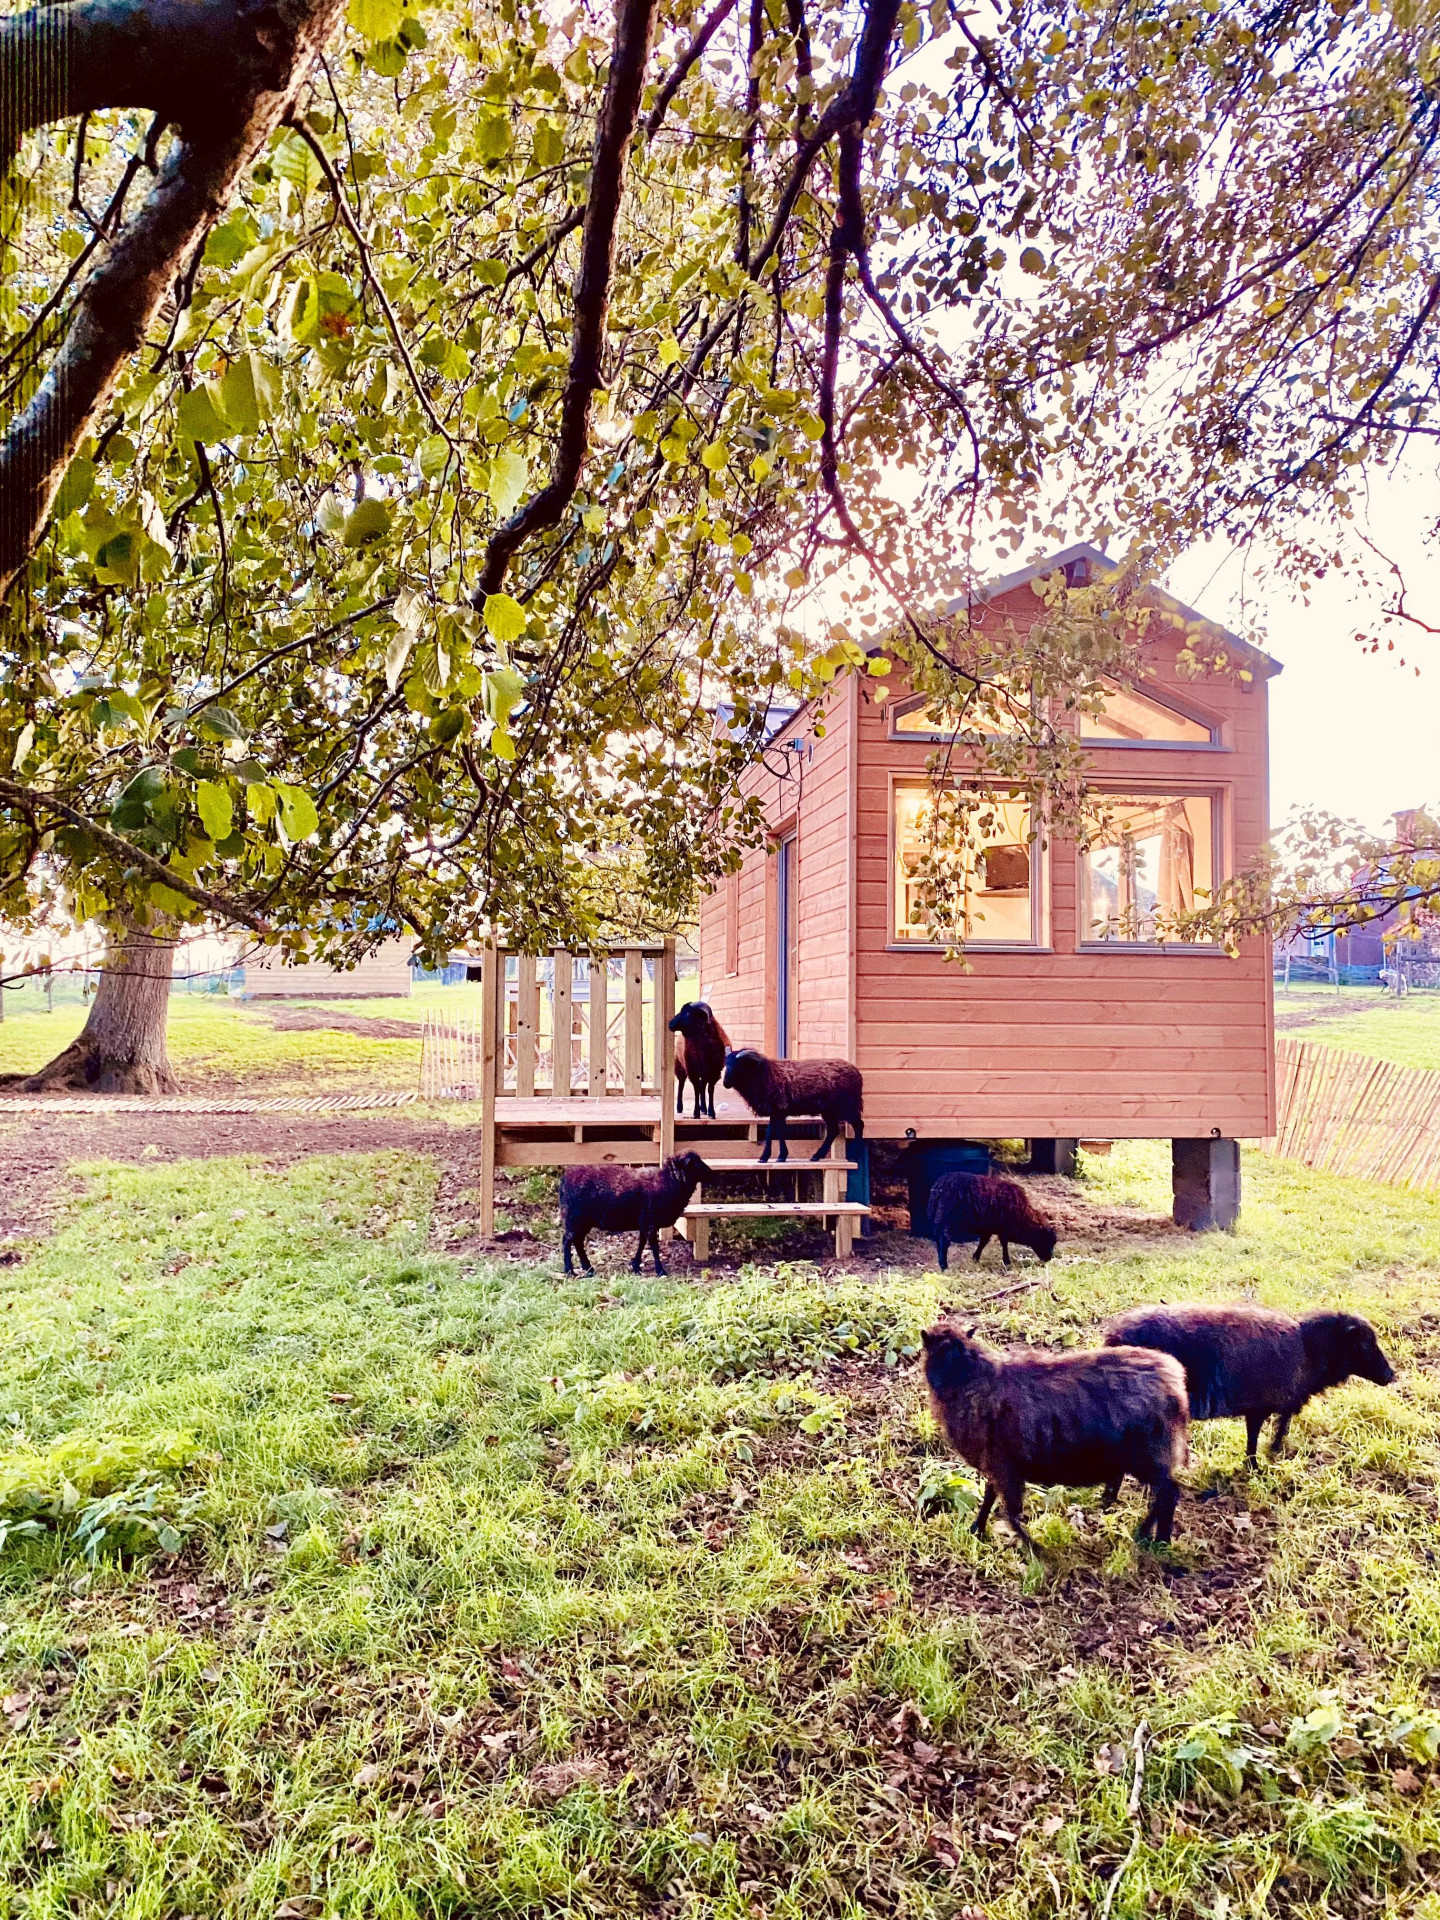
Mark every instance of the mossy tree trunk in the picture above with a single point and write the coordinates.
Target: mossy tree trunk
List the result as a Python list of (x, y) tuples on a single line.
[(121, 1048)]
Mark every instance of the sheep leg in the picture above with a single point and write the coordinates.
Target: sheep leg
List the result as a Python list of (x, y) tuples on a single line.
[(942, 1253), (1159, 1522), (1111, 1493), (1005, 1252), (831, 1129), (679, 1099), (1013, 1497), (982, 1518), (769, 1136), (777, 1123), (566, 1243), (578, 1242), (1253, 1423), (981, 1245), (1282, 1427), (698, 1112), (655, 1249)]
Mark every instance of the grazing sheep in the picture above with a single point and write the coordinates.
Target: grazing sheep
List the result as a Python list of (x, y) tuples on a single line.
[(700, 1048), (625, 1200), (779, 1089), (1060, 1419), (980, 1207), (1247, 1362)]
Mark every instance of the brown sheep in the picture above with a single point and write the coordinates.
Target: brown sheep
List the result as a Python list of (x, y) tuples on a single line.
[(626, 1200), (778, 1089), (1060, 1419), (701, 1044), (980, 1207), (1247, 1362)]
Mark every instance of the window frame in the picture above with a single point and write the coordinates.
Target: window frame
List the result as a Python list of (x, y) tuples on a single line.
[(1041, 940), (1221, 864), (1160, 697)]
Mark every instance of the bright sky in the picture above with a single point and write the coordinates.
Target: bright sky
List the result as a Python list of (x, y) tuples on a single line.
[(1351, 731)]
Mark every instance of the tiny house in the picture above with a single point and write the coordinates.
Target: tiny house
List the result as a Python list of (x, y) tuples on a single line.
[(1072, 1020)]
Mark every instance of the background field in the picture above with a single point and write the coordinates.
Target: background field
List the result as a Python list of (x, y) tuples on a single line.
[(497, 1593), (1406, 1031)]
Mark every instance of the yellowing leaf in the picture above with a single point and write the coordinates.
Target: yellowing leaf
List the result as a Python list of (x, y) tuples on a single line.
[(547, 144), (375, 19), (298, 817), (200, 416), (216, 809), (368, 519), (671, 351), (260, 800), (504, 617), (396, 656), (715, 457), (503, 690), (509, 477), (1032, 260), (501, 745)]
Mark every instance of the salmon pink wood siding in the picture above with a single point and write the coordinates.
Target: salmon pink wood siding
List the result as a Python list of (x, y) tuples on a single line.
[(1060, 1039)]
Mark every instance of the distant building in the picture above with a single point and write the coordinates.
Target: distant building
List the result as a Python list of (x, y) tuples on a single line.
[(383, 974)]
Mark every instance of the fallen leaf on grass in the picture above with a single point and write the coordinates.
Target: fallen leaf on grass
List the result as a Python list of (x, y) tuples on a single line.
[(340, 1399), (1052, 1824), (368, 1775), (555, 1780), (1405, 1780), (15, 1707), (943, 1849), (1111, 1759)]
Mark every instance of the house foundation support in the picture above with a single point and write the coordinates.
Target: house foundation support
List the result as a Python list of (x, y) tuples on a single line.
[(1205, 1179), (1053, 1156)]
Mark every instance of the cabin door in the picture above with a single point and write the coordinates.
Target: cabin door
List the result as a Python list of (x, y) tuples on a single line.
[(785, 907)]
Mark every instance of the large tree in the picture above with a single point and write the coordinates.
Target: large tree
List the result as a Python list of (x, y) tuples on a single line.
[(537, 378)]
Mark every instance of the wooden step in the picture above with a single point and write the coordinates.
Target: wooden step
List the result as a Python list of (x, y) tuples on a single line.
[(721, 1165), (754, 1209), (698, 1215)]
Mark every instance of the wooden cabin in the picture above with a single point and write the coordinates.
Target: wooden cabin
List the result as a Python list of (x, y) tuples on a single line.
[(1072, 1021)]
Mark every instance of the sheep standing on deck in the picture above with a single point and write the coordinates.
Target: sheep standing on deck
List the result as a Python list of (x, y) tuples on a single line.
[(1247, 1362), (778, 1090), (625, 1200), (701, 1045), (1060, 1419), (977, 1206)]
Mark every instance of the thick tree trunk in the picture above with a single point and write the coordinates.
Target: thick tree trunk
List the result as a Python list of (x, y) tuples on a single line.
[(121, 1048)]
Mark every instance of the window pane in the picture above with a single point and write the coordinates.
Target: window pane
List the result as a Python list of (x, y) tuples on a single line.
[(1152, 857), (984, 858), (1130, 715), (989, 714)]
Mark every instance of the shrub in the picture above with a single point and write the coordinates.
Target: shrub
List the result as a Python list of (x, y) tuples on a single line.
[(110, 1493)]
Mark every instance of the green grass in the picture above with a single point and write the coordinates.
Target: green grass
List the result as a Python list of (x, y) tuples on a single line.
[(1406, 1031), (219, 1042), (500, 1594)]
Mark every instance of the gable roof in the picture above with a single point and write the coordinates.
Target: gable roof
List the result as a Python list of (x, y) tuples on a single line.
[(1080, 559)]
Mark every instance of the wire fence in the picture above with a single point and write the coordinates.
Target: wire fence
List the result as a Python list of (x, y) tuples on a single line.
[(1343, 1112)]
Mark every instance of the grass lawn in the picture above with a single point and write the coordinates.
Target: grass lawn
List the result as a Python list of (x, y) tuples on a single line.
[(1405, 1031), (217, 1042), (479, 1592)]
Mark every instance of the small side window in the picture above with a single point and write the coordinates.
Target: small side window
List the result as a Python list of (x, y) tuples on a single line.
[(1135, 719)]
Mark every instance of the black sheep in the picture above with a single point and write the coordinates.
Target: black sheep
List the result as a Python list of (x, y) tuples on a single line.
[(980, 1207), (625, 1200), (1060, 1419), (1247, 1362), (700, 1048), (777, 1090)]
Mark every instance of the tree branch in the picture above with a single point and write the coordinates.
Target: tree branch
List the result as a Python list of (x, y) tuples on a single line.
[(226, 90), (133, 856), (712, 24), (619, 109)]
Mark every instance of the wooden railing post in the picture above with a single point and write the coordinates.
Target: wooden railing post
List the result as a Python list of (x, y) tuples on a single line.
[(634, 1021), (562, 1025), (492, 1007), (599, 1024), (527, 1026), (665, 1045)]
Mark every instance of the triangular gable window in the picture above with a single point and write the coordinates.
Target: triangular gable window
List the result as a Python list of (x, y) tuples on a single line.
[(1135, 719)]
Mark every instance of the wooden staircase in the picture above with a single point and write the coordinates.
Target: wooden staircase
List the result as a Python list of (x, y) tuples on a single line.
[(831, 1207)]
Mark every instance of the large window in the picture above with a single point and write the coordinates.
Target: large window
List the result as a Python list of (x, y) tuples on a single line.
[(1135, 719), (974, 854), (920, 719), (1147, 858)]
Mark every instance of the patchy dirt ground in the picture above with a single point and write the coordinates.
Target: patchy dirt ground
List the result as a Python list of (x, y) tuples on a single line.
[(287, 1019), (1311, 1011), (36, 1150)]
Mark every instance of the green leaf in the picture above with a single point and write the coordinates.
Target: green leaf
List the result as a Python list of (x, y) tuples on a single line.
[(201, 417), (260, 802), (547, 144), (493, 138), (294, 160), (368, 519), (75, 487), (248, 392), (509, 477), (219, 723), (434, 455), (503, 691), (375, 19), (501, 745), (298, 817), (448, 726), (216, 809), (504, 617)]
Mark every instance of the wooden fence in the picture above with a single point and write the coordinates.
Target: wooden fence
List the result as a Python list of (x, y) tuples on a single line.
[(1346, 1113)]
